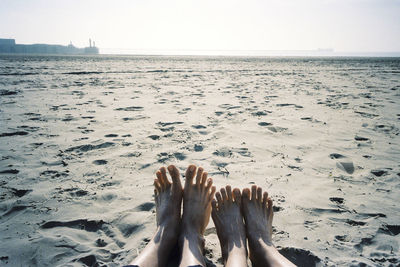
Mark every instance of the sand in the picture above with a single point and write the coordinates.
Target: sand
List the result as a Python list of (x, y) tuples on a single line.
[(81, 139)]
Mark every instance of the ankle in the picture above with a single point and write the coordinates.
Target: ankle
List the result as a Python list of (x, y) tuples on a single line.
[(259, 238), (167, 234), (191, 237), (260, 244)]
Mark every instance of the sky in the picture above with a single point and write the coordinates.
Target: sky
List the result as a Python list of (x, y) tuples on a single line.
[(129, 26)]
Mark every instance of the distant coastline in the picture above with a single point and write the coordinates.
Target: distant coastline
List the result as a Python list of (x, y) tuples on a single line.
[(9, 46), (328, 52)]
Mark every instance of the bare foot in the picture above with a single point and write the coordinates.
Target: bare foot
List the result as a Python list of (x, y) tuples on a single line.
[(196, 214), (228, 220), (258, 214), (168, 198)]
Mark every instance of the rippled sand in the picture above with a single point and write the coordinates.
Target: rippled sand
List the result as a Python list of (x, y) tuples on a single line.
[(81, 139)]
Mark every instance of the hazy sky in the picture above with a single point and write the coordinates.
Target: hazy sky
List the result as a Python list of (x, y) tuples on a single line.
[(125, 25)]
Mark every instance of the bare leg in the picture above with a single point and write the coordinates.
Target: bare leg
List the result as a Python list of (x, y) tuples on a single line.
[(258, 214), (196, 214), (228, 220), (168, 198)]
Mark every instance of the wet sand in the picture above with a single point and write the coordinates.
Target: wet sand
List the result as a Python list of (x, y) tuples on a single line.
[(81, 139)]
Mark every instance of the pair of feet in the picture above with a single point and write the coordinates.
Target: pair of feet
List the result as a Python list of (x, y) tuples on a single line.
[(240, 215), (228, 212)]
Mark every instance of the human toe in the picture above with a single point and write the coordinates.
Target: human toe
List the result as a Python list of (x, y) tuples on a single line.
[(190, 172), (228, 189), (254, 193), (237, 196), (199, 176), (246, 195), (174, 172)]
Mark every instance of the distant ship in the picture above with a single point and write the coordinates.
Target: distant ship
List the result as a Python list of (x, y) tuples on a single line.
[(8, 46)]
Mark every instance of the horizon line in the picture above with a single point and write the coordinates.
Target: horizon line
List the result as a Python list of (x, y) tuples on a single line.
[(225, 52)]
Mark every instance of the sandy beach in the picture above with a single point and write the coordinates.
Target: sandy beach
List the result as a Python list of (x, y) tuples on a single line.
[(81, 138)]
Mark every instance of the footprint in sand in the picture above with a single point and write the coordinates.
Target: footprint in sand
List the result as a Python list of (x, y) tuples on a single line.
[(342, 162), (300, 257), (276, 129), (100, 162)]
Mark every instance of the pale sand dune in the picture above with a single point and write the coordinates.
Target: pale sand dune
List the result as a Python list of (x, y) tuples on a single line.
[(81, 139)]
